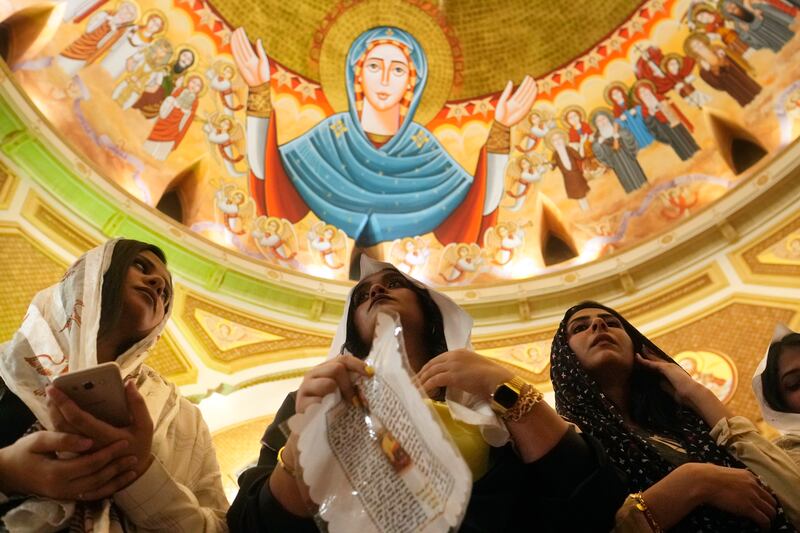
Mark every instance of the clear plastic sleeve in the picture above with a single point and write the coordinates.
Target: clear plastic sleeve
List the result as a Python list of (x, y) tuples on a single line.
[(384, 462)]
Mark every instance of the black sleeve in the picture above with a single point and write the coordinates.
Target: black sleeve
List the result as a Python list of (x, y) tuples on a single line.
[(255, 509), (15, 417), (576, 486)]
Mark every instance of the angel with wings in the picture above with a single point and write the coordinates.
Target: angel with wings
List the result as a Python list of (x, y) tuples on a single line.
[(275, 238), (531, 170), (459, 261), (410, 254), (329, 243), (220, 79), (236, 206), (502, 241), (226, 134)]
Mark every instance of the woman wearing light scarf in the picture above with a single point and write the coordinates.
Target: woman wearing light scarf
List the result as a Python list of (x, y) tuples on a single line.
[(550, 479), (158, 474)]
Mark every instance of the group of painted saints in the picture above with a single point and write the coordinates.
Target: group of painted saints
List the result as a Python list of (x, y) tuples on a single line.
[(161, 81), (374, 174), (723, 35)]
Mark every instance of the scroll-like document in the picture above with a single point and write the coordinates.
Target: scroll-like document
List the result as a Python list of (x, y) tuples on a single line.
[(384, 462)]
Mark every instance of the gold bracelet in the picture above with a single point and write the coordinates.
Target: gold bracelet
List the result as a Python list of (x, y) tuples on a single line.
[(499, 140), (258, 101), (288, 470), (642, 507), (528, 397)]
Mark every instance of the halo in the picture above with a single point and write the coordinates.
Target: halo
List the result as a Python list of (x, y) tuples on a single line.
[(612, 85), (131, 2), (548, 138), (639, 84), (165, 21), (399, 14), (697, 8), (180, 48), (220, 65), (667, 58), (568, 110), (189, 75), (600, 111), (695, 36)]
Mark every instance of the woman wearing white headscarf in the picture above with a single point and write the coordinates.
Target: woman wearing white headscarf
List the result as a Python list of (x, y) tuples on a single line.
[(158, 474), (551, 479), (776, 384)]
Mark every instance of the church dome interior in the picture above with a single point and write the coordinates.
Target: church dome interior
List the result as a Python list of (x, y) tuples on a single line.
[(520, 157)]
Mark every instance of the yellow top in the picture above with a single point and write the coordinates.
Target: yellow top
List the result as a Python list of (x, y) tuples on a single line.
[(468, 440)]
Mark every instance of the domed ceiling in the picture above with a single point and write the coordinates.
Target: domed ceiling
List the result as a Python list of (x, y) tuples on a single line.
[(469, 143)]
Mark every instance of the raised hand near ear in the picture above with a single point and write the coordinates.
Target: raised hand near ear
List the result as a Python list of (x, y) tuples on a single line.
[(684, 389)]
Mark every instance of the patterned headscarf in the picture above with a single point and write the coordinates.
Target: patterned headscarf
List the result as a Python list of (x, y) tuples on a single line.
[(580, 400), (59, 335)]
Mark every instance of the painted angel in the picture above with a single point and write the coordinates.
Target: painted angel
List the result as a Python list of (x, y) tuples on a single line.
[(236, 206), (502, 241), (328, 244), (541, 123), (275, 238), (459, 261), (225, 133), (220, 79), (410, 254), (528, 175)]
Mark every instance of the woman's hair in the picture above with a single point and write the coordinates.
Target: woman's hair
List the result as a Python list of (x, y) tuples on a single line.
[(770, 380), (125, 251), (651, 406), (435, 342)]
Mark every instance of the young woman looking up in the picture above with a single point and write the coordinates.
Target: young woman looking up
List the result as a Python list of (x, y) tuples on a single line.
[(552, 479), (160, 472)]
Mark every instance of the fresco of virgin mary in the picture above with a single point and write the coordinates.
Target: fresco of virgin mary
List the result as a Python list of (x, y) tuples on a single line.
[(372, 170)]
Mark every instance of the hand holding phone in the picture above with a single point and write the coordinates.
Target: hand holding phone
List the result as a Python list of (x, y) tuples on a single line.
[(137, 431), (98, 391)]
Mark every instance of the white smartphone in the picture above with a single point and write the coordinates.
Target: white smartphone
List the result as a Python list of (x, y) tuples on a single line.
[(98, 391)]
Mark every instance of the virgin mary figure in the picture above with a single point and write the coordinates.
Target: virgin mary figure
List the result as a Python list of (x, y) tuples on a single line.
[(371, 170)]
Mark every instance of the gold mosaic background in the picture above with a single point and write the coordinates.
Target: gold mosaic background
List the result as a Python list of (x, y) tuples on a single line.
[(500, 40)]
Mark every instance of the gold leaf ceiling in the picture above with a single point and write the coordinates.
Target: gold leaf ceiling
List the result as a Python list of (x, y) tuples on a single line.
[(499, 40)]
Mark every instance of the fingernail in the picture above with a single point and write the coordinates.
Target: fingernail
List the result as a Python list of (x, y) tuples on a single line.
[(133, 460), (85, 443), (369, 370)]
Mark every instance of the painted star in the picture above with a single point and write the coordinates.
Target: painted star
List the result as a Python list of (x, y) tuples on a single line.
[(457, 111), (482, 107), (307, 89), (282, 76)]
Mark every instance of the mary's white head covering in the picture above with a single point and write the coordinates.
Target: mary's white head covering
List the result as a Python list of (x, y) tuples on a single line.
[(782, 421), (463, 406)]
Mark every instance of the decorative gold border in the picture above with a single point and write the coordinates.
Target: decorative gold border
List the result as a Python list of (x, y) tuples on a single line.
[(294, 344), (189, 376), (751, 270), (8, 186), (57, 227)]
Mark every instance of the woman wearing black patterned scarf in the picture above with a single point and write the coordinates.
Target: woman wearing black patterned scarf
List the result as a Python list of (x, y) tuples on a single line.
[(619, 387)]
